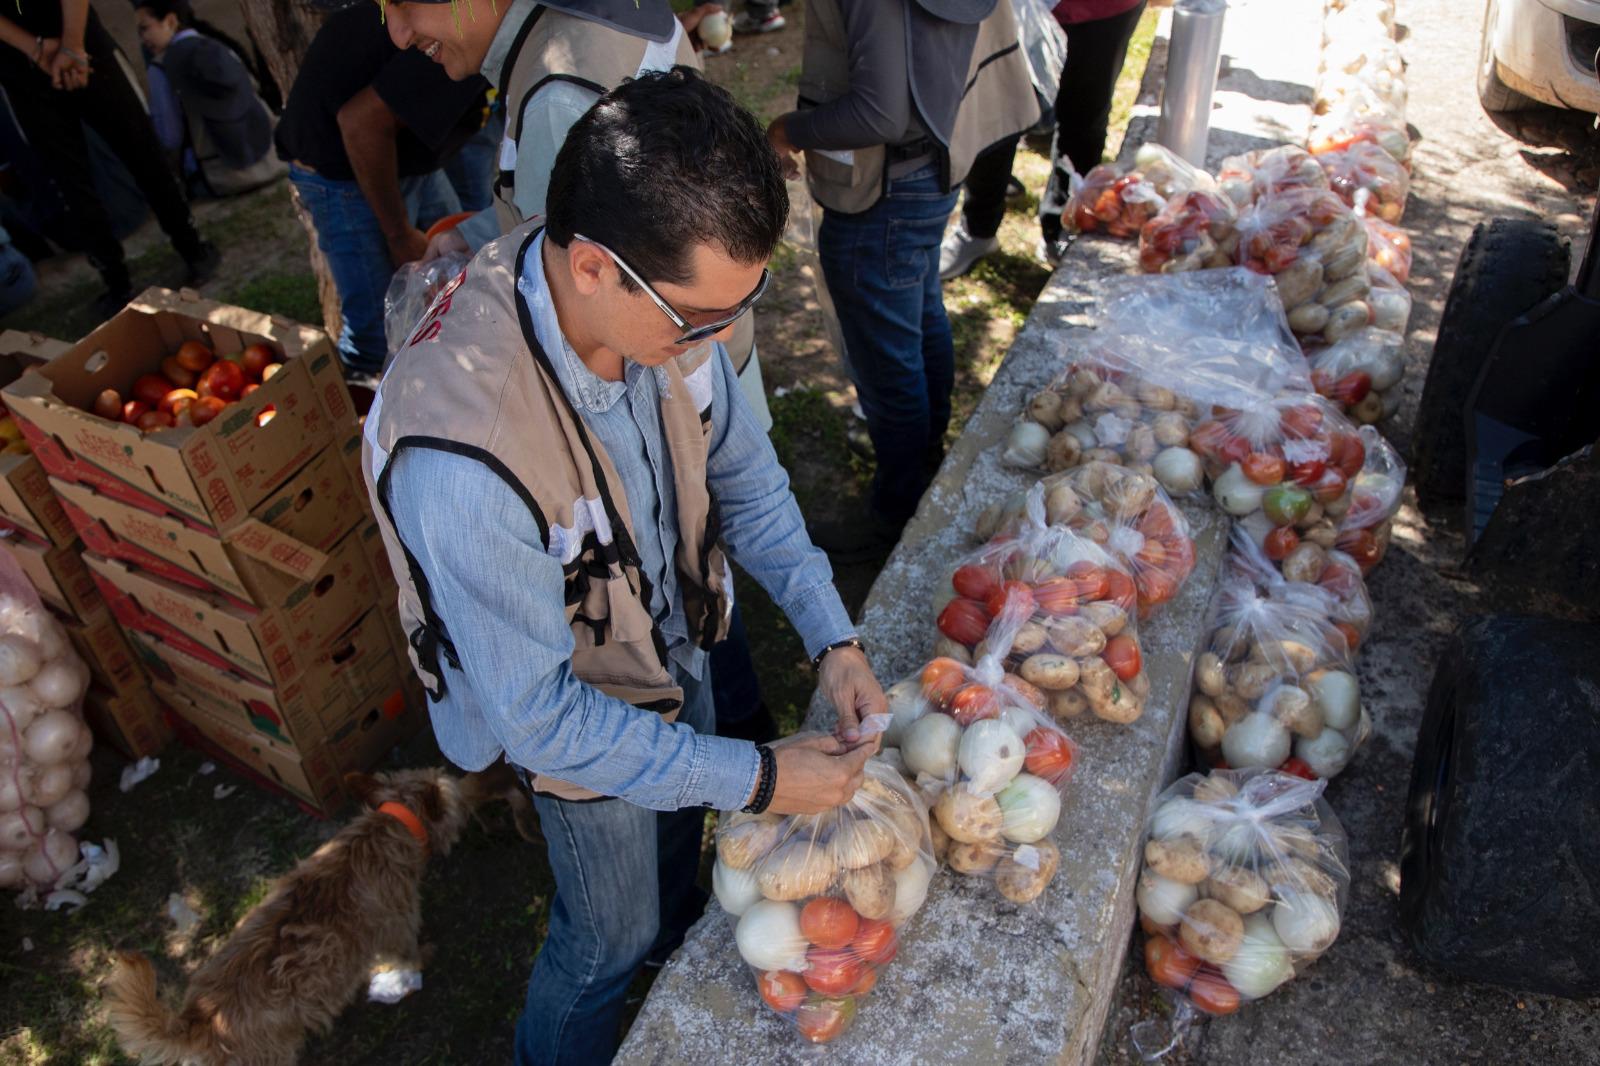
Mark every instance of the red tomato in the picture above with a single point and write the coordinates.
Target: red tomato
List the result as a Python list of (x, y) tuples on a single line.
[(1301, 423), (1120, 589), (195, 356), (1352, 636), (1050, 755), (132, 410), (1030, 693), (828, 922), (1234, 450), (1167, 963), (222, 379), (204, 409), (255, 358), (1156, 586), (964, 621), (1330, 486), (1347, 453), (108, 405), (974, 582), (1208, 439), (153, 420), (176, 401), (1059, 596), (1122, 655), (875, 941), (1263, 469), (1018, 592), (1211, 992), (1093, 582), (1308, 472), (1280, 542), (869, 981), (941, 678), (149, 389), (784, 990), (1362, 546), (1350, 389), (1298, 767), (832, 971), (1342, 581), (269, 370), (180, 376), (974, 702), (822, 1020)]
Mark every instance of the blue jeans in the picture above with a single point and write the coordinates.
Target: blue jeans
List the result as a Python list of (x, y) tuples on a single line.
[(625, 884), (472, 169), (18, 282), (735, 688), (352, 241), (882, 269)]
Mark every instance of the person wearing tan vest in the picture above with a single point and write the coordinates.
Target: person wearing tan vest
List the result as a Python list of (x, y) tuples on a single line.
[(558, 458), (896, 99)]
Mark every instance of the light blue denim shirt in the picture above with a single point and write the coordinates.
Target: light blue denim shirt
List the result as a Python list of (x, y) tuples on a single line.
[(499, 590)]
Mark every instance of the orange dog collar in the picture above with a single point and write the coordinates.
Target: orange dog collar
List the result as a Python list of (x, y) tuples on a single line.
[(406, 817)]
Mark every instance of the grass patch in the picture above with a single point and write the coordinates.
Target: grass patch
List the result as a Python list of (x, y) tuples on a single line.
[(293, 295)]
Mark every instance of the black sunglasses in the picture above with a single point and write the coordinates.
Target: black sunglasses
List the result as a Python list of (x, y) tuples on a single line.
[(690, 334)]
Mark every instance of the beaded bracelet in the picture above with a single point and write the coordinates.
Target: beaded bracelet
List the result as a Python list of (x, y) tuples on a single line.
[(848, 642), (767, 781)]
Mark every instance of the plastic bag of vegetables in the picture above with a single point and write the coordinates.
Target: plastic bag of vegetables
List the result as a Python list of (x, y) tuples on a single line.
[(1275, 686), (1389, 247), (1309, 571), (1117, 199), (1363, 532), (1315, 248), (1361, 373), (1351, 121), (44, 742), (818, 902), (1368, 179), (1246, 178), (1245, 881), (1194, 231), (1123, 510)]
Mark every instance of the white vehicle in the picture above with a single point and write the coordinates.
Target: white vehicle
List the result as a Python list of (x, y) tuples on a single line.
[(1539, 52)]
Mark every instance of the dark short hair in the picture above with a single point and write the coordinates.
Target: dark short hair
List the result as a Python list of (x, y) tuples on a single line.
[(160, 9), (662, 163)]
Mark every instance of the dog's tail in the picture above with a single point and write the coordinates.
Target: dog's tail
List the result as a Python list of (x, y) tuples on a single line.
[(146, 1027)]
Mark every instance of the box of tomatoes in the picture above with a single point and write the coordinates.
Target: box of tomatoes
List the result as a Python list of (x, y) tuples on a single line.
[(183, 404)]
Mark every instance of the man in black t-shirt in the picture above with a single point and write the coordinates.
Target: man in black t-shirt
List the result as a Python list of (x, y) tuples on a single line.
[(60, 71), (364, 131)]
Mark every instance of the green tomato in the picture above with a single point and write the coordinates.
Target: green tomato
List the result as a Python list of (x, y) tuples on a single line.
[(1285, 504)]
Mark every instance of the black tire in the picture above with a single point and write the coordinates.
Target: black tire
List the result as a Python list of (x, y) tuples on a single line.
[(1495, 95), (1508, 267), (1500, 857)]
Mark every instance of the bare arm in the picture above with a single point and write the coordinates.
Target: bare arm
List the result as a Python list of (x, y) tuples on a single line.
[(369, 129)]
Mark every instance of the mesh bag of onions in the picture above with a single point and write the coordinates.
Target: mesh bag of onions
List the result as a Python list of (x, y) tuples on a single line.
[(1245, 880), (818, 902), (44, 742)]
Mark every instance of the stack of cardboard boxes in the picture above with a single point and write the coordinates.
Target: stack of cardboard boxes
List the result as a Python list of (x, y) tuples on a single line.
[(240, 557), (119, 705)]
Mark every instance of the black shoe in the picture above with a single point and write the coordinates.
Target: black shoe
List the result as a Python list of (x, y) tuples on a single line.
[(859, 441), (202, 266), (758, 727), (860, 540), (1014, 188), (114, 299)]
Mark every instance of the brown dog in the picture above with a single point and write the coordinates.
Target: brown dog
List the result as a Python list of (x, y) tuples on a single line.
[(304, 953)]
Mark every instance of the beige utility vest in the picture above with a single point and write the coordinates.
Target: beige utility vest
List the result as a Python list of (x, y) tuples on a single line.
[(998, 102), (473, 380)]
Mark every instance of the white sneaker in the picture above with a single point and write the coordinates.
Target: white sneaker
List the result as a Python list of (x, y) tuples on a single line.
[(960, 252), (766, 24)]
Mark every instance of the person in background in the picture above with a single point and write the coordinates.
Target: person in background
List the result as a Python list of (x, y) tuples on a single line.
[(557, 67), (553, 518), (229, 127), (18, 282), (896, 98), (60, 71), (1098, 32), (364, 131), (759, 16)]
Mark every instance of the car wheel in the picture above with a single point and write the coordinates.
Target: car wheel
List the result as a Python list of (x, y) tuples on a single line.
[(1495, 95), (1500, 854), (1507, 267)]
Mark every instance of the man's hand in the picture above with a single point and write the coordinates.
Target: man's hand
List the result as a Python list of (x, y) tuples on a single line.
[(846, 679), (778, 137), (816, 773), (407, 245), (66, 70), (448, 242)]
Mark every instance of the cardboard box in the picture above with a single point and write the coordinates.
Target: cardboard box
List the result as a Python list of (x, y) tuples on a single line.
[(355, 669), (133, 721), (28, 348), (262, 561), (59, 576), (215, 474), (274, 645), (28, 503), (104, 648)]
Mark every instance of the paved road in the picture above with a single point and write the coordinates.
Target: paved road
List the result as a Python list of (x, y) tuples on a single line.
[(1369, 1000)]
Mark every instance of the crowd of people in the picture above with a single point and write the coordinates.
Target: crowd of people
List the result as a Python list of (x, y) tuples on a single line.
[(561, 517)]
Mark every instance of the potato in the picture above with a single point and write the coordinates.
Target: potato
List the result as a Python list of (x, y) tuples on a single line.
[(746, 838), (1107, 617), (1299, 281), (1075, 637), (1345, 320), (1029, 639), (1156, 397), (1128, 497), (1045, 409), (1102, 455), (1139, 685), (1023, 875), (1214, 790), (1205, 722), (1211, 930), (1140, 447), (1310, 317), (1295, 656), (988, 521), (797, 869), (1064, 705), (977, 858), (1055, 673), (1107, 397), (1324, 535), (1171, 429), (1240, 887), (1063, 451), (859, 842), (1252, 679), (968, 818), (1305, 563), (1231, 706), (870, 891), (1294, 707), (1181, 859), (1119, 705), (1208, 674), (1061, 504), (1096, 678)]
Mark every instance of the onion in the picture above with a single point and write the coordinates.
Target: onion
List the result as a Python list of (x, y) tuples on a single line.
[(19, 660), (1262, 963), (1305, 922), (19, 828), (1031, 806), (1163, 901), (769, 938), (1179, 470), (1084, 433), (84, 744), (930, 746), (60, 682), (50, 739), (1339, 696), (1257, 739), (10, 869), (50, 637), (736, 889), (990, 755), (1180, 817), (82, 774), (22, 703), (69, 813), (1025, 447), (53, 857), (48, 784), (1326, 754), (910, 889), (1237, 494), (906, 705), (10, 788)]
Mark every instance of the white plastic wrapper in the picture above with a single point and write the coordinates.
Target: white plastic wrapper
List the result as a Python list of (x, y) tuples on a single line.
[(411, 294)]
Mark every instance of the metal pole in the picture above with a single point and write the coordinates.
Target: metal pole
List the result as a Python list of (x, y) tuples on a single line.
[(1193, 54)]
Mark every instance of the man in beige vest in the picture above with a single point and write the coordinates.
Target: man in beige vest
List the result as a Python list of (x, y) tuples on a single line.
[(896, 99), (557, 457)]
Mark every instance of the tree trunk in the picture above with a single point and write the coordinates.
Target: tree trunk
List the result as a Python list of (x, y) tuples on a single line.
[(283, 30)]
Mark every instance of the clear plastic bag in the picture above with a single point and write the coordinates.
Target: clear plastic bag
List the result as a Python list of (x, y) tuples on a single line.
[(1389, 247), (1246, 877), (1368, 179), (411, 293), (1361, 373), (1275, 686), (1109, 200), (1375, 90), (1194, 231), (44, 741), (1307, 569), (818, 902), (1315, 248), (1246, 178), (1363, 531), (1045, 44), (1389, 299)]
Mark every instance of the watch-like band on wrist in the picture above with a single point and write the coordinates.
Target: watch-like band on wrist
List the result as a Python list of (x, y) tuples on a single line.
[(766, 781), (848, 642)]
